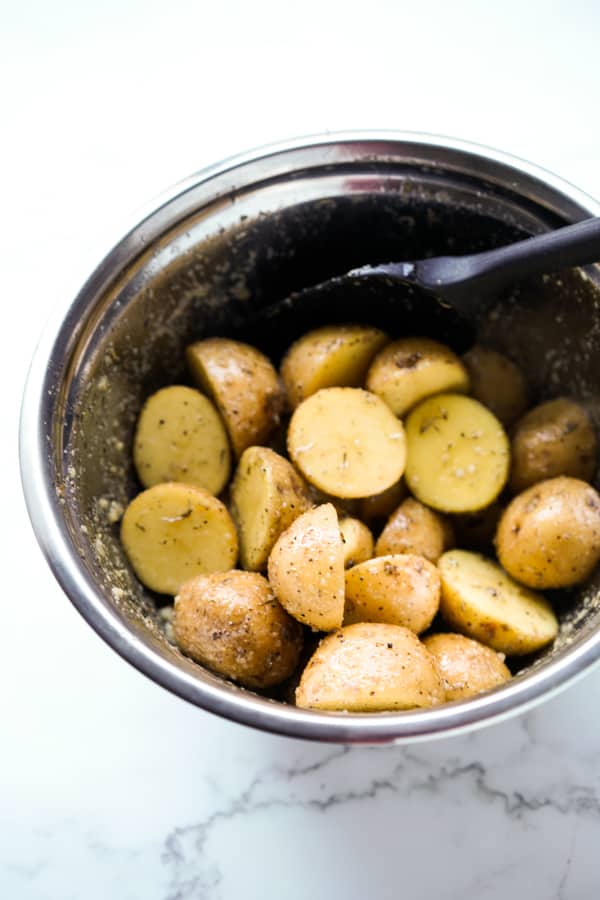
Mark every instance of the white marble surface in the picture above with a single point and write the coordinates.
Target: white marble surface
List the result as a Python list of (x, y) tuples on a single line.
[(110, 787)]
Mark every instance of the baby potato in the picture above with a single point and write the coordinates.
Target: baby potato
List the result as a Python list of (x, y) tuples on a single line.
[(243, 384), (174, 531), (180, 437), (457, 454), (414, 528), (346, 442), (358, 541), (467, 667), (380, 506), (400, 589), (496, 382), (480, 600), (549, 536), (267, 494), (370, 667), (232, 623), (555, 438), (332, 356), (411, 369), (306, 569)]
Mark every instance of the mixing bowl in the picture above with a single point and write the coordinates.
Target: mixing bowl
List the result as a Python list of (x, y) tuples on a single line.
[(203, 260)]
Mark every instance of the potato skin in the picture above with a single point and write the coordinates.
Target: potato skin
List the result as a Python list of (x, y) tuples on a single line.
[(496, 382), (410, 369), (552, 439), (232, 623), (467, 667), (414, 528), (549, 536), (370, 667), (358, 541), (400, 589)]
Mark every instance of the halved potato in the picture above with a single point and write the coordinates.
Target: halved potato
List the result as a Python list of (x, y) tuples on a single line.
[(306, 569), (243, 384), (332, 356), (467, 667), (482, 601), (267, 494), (174, 531), (414, 528), (347, 443), (457, 454), (180, 436), (496, 382), (400, 589), (380, 506), (411, 369), (370, 667), (358, 541)]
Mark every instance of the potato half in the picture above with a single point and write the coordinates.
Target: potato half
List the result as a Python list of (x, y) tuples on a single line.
[(414, 528), (467, 667), (358, 541), (267, 494), (457, 454), (482, 601), (347, 443), (370, 667), (174, 531), (306, 569), (496, 382)]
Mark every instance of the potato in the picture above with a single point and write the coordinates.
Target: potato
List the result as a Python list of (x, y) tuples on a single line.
[(400, 589), (380, 506), (414, 528), (555, 438), (549, 536), (243, 384), (347, 443), (174, 531), (306, 569), (370, 667), (180, 437), (332, 356), (457, 454), (267, 494), (411, 369), (467, 667), (232, 623), (480, 600), (358, 541), (496, 382)]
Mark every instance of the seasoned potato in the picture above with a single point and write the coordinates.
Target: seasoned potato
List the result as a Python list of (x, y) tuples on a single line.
[(496, 382), (457, 454), (332, 356), (414, 528), (232, 623), (306, 569), (267, 494), (411, 369), (549, 536), (180, 437), (370, 667), (480, 600), (358, 541), (243, 384), (382, 505), (174, 531), (400, 589), (476, 531), (555, 438), (347, 443), (466, 666)]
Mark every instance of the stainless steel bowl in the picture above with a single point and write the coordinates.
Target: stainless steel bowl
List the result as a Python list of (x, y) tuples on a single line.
[(203, 259)]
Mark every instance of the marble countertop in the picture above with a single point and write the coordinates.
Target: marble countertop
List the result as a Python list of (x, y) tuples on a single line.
[(109, 786)]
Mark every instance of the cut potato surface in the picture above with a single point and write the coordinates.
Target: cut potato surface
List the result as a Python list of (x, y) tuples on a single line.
[(267, 494), (332, 356), (347, 443), (457, 454), (358, 541), (411, 369), (244, 385), (180, 437), (306, 569), (174, 531), (496, 382), (467, 667), (414, 528), (482, 601), (400, 589), (370, 667)]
